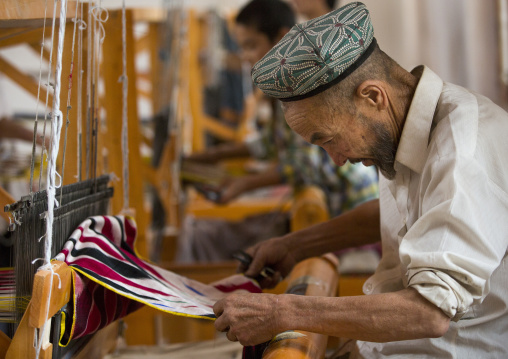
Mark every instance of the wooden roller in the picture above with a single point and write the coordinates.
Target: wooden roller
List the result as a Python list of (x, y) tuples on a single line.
[(309, 208), (313, 277)]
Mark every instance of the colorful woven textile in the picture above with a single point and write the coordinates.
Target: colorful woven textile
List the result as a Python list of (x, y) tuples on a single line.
[(110, 281), (317, 54)]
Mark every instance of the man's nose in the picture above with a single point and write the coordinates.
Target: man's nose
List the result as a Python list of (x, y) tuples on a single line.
[(338, 158)]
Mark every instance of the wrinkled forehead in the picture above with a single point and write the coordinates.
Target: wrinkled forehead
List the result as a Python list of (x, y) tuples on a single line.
[(306, 117)]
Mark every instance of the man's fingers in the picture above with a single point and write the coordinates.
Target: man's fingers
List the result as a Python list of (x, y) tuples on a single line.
[(231, 336), (218, 308), (221, 325), (241, 268), (255, 268), (272, 281)]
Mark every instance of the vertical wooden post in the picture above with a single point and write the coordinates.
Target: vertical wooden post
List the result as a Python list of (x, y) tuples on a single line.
[(112, 71), (195, 82), (156, 67)]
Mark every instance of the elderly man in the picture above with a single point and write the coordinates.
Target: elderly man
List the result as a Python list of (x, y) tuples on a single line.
[(440, 289)]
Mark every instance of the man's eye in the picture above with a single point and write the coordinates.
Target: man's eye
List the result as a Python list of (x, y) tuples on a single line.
[(324, 143)]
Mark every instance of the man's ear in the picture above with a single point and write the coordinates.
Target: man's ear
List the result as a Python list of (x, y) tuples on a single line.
[(372, 93)]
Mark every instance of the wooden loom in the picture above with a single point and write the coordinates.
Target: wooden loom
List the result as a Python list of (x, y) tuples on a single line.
[(21, 22), (307, 209)]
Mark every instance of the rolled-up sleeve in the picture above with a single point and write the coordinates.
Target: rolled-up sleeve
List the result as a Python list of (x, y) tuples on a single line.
[(460, 237)]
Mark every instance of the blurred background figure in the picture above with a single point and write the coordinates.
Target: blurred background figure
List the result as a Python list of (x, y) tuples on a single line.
[(258, 27), (310, 9)]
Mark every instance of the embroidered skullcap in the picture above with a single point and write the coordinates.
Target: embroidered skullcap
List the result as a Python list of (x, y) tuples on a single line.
[(317, 54)]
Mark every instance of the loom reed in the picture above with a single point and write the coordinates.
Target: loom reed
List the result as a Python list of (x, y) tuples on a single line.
[(79, 201)]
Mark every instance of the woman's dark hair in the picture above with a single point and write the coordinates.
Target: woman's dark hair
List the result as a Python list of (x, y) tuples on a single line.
[(267, 17), (331, 4)]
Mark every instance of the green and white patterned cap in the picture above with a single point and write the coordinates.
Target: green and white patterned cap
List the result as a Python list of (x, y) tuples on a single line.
[(317, 54)]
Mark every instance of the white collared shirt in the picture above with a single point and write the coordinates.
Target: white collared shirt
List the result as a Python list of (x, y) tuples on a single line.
[(444, 222)]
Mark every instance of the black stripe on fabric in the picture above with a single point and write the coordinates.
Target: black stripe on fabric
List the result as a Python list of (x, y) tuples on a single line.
[(116, 265), (339, 78), (123, 242), (124, 245), (98, 300), (112, 284)]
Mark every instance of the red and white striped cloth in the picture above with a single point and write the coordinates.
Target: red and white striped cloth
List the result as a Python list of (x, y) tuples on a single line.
[(110, 281)]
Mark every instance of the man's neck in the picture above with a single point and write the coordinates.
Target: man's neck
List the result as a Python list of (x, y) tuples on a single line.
[(405, 84)]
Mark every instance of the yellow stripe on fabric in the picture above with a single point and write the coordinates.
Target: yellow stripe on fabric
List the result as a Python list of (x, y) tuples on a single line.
[(62, 328), (140, 301), (62, 321)]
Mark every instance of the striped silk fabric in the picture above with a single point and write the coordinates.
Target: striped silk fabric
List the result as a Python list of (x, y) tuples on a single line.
[(110, 281)]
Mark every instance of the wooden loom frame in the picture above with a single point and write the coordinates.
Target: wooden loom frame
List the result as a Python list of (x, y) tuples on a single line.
[(308, 208), (21, 22)]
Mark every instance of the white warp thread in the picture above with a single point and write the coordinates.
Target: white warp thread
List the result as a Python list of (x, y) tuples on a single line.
[(51, 171)]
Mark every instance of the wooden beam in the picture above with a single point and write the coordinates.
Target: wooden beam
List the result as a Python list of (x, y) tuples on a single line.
[(12, 37), (147, 140), (195, 80), (165, 182), (19, 13), (158, 75), (5, 198), (218, 129), (37, 48), (48, 299), (5, 342), (27, 82), (145, 93), (142, 43), (149, 15), (236, 210), (112, 71), (22, 345)]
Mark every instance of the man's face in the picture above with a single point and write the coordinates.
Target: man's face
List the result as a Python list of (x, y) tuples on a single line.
[(253, 44), (344, 137), (308, 7)]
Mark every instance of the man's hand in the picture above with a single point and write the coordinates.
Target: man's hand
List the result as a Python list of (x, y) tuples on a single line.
[(221, 152), (274, 253), (203, 157), (231, 188), (248, 318)]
